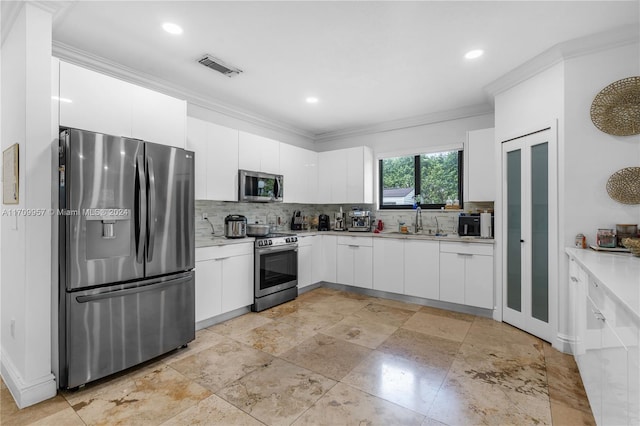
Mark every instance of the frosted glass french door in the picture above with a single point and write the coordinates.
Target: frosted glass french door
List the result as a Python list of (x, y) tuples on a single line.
[(530, 233)]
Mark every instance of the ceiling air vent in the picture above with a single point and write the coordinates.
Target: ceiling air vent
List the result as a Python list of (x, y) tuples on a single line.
[(216, 64)]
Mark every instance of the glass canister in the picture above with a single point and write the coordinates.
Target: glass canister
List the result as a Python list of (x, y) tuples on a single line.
[(606, 238), (581, 241)]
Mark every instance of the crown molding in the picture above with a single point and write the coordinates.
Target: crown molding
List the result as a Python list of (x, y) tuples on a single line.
[(593, 43), (420, 120), (113, 69)]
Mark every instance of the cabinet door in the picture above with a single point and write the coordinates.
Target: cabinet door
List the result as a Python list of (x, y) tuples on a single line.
[(355, 173), (94, 101), (157, 117), (311, 173), (197, 142), (237, 282), (329, 258), (363, 266), (422, 269), (222, 163), (317, 263), (208, 289), (333, 177), (615, 378), (478, 290), (344, 264), (452, 277), (258, 153), (293, 171), (305, 259), (388, 265), (590, 361)]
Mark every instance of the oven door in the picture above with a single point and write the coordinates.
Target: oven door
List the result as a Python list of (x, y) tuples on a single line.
[(276, 269)]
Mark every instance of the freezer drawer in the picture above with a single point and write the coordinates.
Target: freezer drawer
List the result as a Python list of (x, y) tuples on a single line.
[(113, 328)]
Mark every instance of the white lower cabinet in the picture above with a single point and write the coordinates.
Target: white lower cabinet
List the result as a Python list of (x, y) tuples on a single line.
[(237, 282), (422, 269), (329, 258), (606, 337), (388, 265), (466, 274), (305, 261), (208, 289), (317, 261), (354, 264), (224, 279)]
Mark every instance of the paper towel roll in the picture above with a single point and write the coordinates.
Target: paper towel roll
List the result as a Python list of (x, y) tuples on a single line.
[(485, 225)]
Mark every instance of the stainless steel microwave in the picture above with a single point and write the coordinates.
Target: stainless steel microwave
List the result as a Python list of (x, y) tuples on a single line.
[(258, 187)]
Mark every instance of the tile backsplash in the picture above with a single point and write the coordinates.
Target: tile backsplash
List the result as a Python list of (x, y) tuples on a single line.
[(432, 220)]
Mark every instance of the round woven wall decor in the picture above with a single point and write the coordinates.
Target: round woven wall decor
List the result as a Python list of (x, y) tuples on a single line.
[(624, 185), (616, 108)]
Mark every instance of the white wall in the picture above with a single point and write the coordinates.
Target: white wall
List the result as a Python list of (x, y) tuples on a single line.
[(413, 138), (26, 253), (591, 156)]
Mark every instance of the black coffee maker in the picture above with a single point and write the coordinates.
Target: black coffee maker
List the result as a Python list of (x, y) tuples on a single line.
[(323, 223)]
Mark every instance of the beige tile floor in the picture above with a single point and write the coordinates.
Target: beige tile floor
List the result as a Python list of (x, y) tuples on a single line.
[(335, 358)]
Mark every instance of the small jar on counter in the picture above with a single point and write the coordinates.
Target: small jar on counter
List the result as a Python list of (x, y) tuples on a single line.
[(606, 238), (581, 241)]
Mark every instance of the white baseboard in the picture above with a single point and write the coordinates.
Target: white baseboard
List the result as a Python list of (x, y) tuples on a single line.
[(563, 343), (26, 394)]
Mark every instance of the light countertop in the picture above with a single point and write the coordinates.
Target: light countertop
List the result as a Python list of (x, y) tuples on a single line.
[(618, 273), (401, 236), (220, 240)]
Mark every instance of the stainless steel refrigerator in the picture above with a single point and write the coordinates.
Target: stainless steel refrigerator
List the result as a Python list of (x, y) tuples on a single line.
[(126, 253)]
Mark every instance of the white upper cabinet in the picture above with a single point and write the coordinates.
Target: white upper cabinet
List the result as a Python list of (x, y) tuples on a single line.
[(93, 101), (99, 103), (300, 171), (259, 154), (480, 166), (333, 175), (346, 176), (158, 118), (216, 170)]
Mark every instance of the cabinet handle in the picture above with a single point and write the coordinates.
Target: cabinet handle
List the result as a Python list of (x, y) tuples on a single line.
[(353, 245), (221, 258), (465, 254), (574, 279)]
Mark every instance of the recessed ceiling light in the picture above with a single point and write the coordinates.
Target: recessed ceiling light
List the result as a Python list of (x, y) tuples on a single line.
[(312, 100), (172, 28), (473, 54)]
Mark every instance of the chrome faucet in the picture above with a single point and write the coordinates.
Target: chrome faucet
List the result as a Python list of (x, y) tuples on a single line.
[(418, 225), (213, 232)]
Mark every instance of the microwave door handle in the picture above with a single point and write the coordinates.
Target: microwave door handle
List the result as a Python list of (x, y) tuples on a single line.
[(466, 229), (141, 209), (151, 218), (276, 188)]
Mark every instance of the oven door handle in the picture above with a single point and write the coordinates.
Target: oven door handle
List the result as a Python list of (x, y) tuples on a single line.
[(275, 249)]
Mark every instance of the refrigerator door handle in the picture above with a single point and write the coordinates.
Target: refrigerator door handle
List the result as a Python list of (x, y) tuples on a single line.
[(151, 212), (129, 291), (141, 209)]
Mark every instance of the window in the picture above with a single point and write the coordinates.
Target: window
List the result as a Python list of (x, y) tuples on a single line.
[(428, 179)]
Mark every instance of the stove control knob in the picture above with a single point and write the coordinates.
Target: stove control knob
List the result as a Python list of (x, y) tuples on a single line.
[(295, 239), (270, 242)]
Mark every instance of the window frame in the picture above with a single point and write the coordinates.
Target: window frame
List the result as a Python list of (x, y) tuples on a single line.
[(417, 182)]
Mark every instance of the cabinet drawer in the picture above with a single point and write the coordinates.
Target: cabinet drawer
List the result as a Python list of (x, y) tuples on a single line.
[(305, 241), (228, 250), (355, 241), (466, 248)]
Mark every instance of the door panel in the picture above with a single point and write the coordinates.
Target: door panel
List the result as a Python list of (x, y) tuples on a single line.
[(170, 233), (530, 232), (117, 327), (98, 188)]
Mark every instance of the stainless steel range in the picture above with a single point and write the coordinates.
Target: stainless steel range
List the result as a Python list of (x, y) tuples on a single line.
[(276, 270)]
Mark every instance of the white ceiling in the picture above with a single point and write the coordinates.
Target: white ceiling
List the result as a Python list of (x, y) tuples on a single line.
[(367, 62)]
